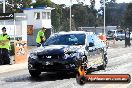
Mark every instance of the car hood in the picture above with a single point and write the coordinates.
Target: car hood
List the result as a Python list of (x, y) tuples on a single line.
[(57, 49)]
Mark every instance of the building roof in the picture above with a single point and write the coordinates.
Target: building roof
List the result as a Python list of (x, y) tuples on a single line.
[(46, 8)]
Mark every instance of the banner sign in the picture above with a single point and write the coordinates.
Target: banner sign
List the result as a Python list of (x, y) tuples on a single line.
[(6, 16), (20, 51), (105, 78), (20, 16), (30, 29)]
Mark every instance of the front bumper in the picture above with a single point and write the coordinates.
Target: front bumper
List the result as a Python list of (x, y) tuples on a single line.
[(54, 65), (120, 38)]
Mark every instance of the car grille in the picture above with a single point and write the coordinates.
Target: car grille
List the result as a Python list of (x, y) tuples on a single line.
[(51, 56), (55, 66)]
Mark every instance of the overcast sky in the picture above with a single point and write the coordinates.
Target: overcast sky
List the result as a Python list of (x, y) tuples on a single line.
[(67, 2)]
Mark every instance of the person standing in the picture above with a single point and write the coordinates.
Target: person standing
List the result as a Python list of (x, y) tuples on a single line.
[(127, 38), (4, 47), (40, 37)]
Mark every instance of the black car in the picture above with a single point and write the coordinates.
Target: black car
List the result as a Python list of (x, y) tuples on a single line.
[(66, 51)]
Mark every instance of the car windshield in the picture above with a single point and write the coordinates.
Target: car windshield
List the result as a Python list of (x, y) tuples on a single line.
[(66, 39), (121, 32), (111, 32)]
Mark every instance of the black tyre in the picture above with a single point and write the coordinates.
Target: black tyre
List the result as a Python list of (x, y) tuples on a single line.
[(34, 73), (1, 60), (105, 61), (102, 67), (81, 80)]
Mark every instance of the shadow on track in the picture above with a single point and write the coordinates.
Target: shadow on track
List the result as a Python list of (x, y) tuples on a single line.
[(41, 78)]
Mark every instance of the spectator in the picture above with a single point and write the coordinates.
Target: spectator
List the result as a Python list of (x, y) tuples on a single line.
[(4, 47), (127, 38), (40, 37)]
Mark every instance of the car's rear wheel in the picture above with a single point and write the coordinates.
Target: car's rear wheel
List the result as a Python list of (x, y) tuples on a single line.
[(105, 61), (102, 67), (34, 73)]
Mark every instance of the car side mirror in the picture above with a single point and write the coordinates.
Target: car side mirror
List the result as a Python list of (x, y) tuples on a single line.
[(87, 47), (91, 44)]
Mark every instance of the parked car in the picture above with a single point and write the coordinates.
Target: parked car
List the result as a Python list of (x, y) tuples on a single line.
[(111, 34), (120, 36), (66, 51)]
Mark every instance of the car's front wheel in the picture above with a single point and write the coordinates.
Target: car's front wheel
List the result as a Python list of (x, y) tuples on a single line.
[(81, 80), (34, 73)]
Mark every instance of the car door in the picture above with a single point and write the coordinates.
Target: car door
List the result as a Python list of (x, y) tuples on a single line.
[(91, 51), (98, 57)]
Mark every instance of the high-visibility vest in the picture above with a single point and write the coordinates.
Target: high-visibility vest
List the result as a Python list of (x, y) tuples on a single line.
[(6, 44), (38, 38)]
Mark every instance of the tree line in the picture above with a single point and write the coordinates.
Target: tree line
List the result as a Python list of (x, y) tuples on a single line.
[(117, 14)]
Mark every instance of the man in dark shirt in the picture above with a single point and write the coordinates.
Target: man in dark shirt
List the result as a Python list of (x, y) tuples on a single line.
[(127, 38)]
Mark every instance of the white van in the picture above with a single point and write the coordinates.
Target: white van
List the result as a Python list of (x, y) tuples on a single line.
[(111, 34)]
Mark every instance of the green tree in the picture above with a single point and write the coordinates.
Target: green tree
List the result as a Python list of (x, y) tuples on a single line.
[(84, 15), (56, 18), (114, 12), (92, 4), (128, 17), (66, 25), (16, 5), (41, 3)]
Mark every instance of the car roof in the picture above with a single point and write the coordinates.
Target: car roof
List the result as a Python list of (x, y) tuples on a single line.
[(75, 32)]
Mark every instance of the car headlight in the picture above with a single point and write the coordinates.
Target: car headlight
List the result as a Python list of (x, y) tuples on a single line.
[(33, 56), (66, 56)]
